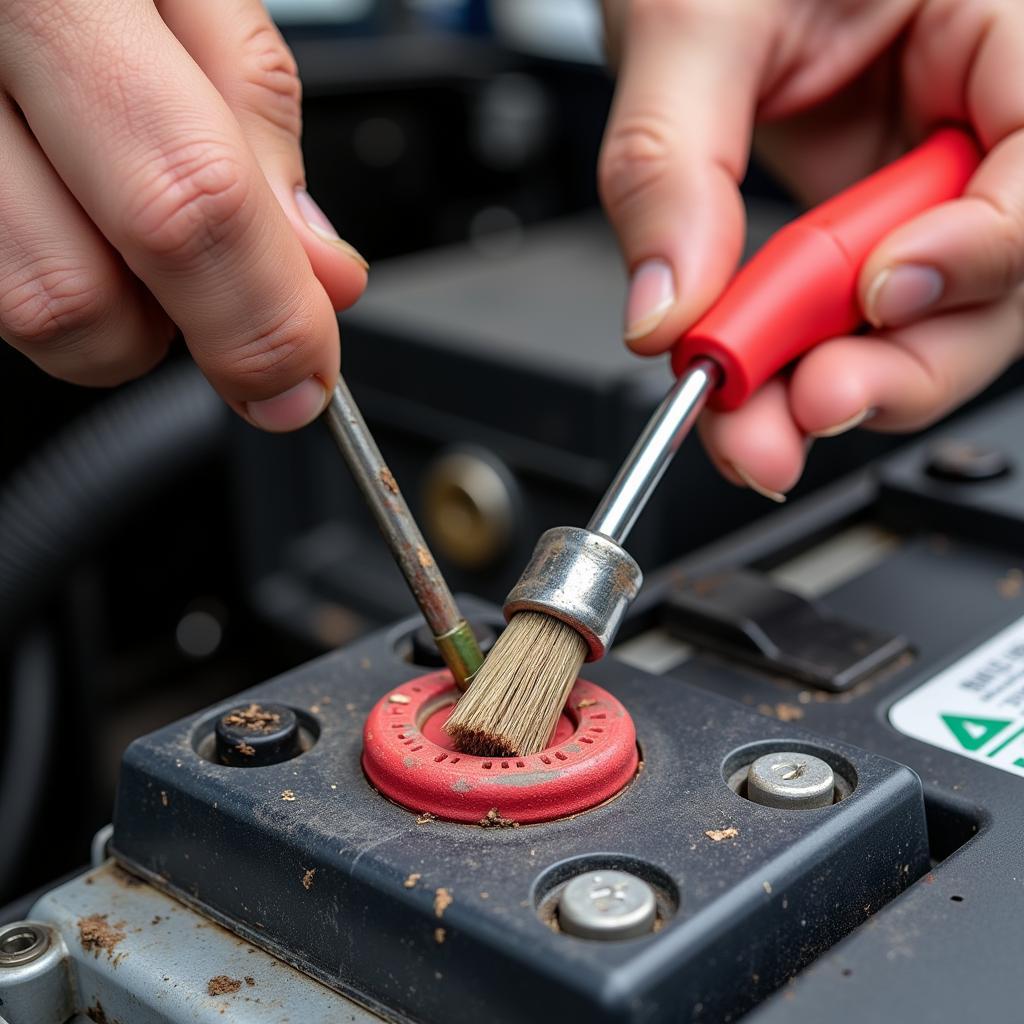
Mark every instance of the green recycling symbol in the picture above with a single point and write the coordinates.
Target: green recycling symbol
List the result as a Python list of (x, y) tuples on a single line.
[(973, 733)]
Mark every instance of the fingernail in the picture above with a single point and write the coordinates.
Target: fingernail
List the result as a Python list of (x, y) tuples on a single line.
[(318, 223), (765, 492), (291, 409), (901, 294), (652, 293), (841, 428)]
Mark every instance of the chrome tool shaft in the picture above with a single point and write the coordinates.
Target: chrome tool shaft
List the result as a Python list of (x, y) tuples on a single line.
[(452, 634), (645, 465), (586, 578)]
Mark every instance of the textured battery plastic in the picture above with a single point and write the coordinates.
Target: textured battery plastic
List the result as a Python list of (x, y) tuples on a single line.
[(409, 759), (801, 288)]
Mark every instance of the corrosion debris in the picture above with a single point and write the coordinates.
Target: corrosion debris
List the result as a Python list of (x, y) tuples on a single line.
[(247, 749), (387, 478), (307, 879), (783, 712), (411, 881), (1011, 584), (288, 795), (494, 820), (424, 818), (222, 985), (442, 901), (716, 835), (254, 719), (95, 933), (164, 799), (439, 935)]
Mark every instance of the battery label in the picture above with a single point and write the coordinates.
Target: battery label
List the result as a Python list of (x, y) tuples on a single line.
[(976, 706)]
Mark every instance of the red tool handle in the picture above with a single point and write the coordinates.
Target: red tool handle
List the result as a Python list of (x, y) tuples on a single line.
[(801, 287)]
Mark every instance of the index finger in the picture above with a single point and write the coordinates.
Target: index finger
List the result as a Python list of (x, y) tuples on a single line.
[(153, 154)]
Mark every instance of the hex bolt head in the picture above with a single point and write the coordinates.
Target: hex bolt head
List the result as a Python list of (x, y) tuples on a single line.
[(791, 780), (22, 943), (607, 905)]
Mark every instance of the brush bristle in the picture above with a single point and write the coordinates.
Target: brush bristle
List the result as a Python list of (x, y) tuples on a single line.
[(512, 706)]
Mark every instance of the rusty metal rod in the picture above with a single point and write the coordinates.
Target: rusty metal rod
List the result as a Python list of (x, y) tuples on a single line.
[(454, 637)]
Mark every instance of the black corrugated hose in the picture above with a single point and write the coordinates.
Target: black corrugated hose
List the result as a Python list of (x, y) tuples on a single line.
[(54, 510), (68, 496)]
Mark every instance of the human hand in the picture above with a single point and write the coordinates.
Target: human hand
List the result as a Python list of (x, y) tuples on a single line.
[(152, 177), (828, 91)]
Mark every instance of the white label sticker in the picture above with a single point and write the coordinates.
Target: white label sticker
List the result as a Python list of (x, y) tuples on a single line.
[(976, 706)]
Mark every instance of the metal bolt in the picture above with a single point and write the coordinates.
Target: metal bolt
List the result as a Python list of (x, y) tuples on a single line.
[(791, 780), (607, 905), (966, 462), (257, 735), (22, 943)]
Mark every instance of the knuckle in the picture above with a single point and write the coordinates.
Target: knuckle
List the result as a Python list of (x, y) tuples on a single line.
[(1009, 252), (189, 201), (635, 157), (44, 303), (269, 84), (272, 349)]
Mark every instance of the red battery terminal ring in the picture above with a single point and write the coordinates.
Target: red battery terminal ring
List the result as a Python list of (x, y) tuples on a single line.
[(411, 760)]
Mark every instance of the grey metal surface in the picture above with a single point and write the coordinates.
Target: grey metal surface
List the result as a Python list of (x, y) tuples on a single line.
[(643, 468), (400, 530), (98, 849), (606, 905), (791, 780), (582, 578), (34, 988), (22, 943), (132, 955)]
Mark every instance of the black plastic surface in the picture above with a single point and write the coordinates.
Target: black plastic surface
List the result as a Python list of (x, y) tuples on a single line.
[(743, 614), (307, 860), (948, 949)]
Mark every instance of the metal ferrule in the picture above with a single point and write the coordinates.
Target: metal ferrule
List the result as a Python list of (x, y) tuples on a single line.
[(461, 653), (582, 578)]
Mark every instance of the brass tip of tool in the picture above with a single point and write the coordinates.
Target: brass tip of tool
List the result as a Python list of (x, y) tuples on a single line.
[(514, 704), (461, 653)]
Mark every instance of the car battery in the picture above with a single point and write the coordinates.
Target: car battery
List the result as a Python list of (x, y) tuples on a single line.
[(791, 792)]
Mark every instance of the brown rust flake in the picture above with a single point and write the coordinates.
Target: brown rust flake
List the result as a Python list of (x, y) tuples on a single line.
[(782, 711), (410, 882), (98, 1015), (494, 820), (95, 933), (387, 478), (442, 901), (253, 719), (1011, 584), (716, 835), (222, 985), (307, 879)]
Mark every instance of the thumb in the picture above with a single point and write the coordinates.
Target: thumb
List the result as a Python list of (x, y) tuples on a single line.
[(675, 150), (241, 51)]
